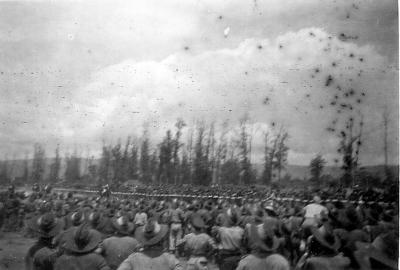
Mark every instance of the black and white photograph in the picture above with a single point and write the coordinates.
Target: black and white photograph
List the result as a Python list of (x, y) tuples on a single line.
[(199, 134)]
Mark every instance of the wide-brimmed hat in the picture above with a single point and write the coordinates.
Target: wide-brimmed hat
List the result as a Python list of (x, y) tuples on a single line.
[(77, 218), (46, 225), (384, 249), (82, 239), (95, 219), (152, 233), (232, 217), (263, 238), (325, 238), (122, 225)]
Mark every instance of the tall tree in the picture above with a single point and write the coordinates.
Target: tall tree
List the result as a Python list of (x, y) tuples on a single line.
[(25, 175), (317, 165), (133, 163), (105, 164), (246, 176), (221, 152), (39, 163), (200, 162), (145, 172), (55, 166), (349, 147), (180, 124), (281, 152), (73, 168)]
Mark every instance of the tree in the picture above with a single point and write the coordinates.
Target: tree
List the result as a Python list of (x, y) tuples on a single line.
[(180, 124), (39, 162), (133, 162), (73, 168), (281, 152), (25, 176), (105, 163), (316, 167), (200, 162), (165, 171), (349, 147), (4, 171), (269, 158), (243, 143), (55, 166), (145, 172)]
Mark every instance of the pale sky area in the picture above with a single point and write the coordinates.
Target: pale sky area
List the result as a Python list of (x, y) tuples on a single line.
[(81, 72)]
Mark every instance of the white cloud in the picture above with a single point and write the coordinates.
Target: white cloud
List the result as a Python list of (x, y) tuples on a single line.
[(226, 83)]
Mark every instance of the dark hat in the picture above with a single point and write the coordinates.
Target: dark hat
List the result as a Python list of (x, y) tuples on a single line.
[(152, 233), (122, 225), (95, 219), (384, 249), (77, 218), (325, 238), (197, 222), (263, 238), (46, 225), (82, 239), (233, 217)]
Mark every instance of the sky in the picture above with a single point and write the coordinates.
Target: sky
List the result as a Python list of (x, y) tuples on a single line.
[(80, 73)]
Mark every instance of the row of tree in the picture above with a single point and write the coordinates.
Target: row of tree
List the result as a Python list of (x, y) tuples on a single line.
[(205, 157)]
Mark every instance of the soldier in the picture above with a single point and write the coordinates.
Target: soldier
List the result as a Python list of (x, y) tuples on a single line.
[(154, 255)]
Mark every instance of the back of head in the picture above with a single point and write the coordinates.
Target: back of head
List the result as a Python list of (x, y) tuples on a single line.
[(277, 262)]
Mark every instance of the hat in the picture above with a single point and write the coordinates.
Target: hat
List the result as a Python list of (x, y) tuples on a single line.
[(325, 238), (95, 218), (197, 222), (263, 238), (82, 239), (46, 225), (122, 225), (384, 249), (233, 217), (152, 233), (77, 218)]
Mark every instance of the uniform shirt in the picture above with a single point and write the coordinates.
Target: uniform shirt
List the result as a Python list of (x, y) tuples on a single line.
[(230, 237), (314, 210), (117, 249), (176, 215), (140, 261), (198, 244), (140, 219)]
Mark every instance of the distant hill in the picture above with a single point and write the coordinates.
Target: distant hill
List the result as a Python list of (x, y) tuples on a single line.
[(303, 172)]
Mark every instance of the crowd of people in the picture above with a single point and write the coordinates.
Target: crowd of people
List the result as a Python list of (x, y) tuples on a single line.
[(217, 230)]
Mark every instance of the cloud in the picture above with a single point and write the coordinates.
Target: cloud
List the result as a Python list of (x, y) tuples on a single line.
[(280, 81)]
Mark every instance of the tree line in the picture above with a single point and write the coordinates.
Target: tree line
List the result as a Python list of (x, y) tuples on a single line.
[(208, 154)]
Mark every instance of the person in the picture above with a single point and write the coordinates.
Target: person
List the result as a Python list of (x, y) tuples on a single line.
[(117, 248), (382, 253), (263, 242), (198, 245), (154, 254), (312, 213), (46, 227), (176, 231), (80, 247), (323, 251), (229, 236)]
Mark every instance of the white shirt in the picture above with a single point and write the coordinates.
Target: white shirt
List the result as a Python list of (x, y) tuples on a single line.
[(314, 210)]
